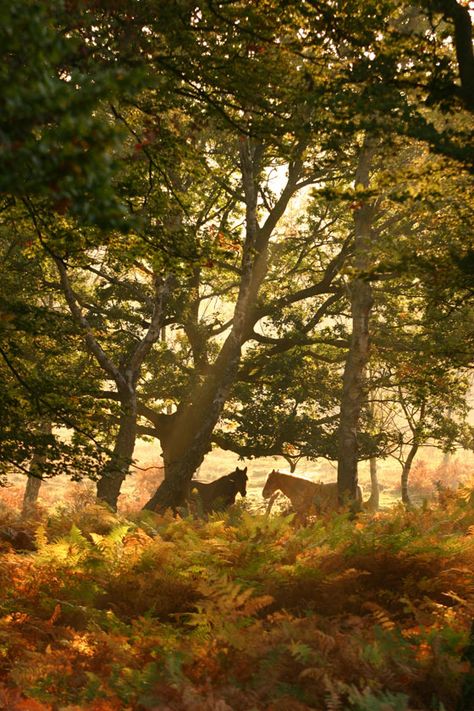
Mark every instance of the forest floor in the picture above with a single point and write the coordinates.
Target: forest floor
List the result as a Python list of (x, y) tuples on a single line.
[(244, 612)]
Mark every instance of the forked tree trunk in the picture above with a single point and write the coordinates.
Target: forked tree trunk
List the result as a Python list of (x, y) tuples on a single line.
[(34, 480), (292, 462), (416, 426), (353, 392), (189, 437)]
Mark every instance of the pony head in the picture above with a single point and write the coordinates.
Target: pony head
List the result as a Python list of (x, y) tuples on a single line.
[(271, 485), (239, 478)]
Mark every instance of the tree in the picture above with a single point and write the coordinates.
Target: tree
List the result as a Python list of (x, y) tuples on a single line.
[(55, 162), (125, 376), (189, 437), (40, 365), (354, 388), (392, 112), (261, 144), (420, 397), (286, 407), (33, 482)]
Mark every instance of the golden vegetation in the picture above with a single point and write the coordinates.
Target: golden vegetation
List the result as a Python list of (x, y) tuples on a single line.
[(242, 611)]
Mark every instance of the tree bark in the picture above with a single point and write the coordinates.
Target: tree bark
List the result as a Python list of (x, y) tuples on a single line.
[(34, 480), (33, 485), (188, 439), (374, 500), (416, 428), (353, 392), (117, 468), (460, 15), (406, 472)]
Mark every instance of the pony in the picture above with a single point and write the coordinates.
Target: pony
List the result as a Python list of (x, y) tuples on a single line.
[(219, 494), (304, 494)]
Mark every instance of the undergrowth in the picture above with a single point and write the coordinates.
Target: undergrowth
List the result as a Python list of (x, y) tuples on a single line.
[(241, 612)]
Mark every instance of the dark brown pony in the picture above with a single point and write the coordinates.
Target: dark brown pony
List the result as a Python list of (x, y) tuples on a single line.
[(304, 494), (218, 495)]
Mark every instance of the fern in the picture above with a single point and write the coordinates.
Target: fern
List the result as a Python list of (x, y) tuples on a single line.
[(300, 651), (381, 616), (369, 701), (333, 698), (75, 536), (247, 611), (41, 538)]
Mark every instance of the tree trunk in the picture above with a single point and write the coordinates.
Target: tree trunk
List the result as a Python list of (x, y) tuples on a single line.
[(292, 462), (174, 489), (115, 471), (461, 17), (406, 472), (353, 392), (34, 480), (189, 439), (33, 485), (374, 499)]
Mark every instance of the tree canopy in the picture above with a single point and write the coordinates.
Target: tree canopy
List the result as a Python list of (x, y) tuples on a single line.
[(222, 213)]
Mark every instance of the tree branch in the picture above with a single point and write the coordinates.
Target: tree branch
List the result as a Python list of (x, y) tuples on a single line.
[(97, 351), (162, 292)]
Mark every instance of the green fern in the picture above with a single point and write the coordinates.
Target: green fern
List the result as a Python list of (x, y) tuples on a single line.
[(384, 701), (77, 538), (112, 541)]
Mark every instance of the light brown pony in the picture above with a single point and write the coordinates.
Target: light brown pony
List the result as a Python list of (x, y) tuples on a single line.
[(303, 494)]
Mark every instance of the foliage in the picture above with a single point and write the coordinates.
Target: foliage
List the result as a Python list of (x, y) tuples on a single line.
[(43, 371), (55, 144), (241, 611), (57, 166), (284, 405)]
